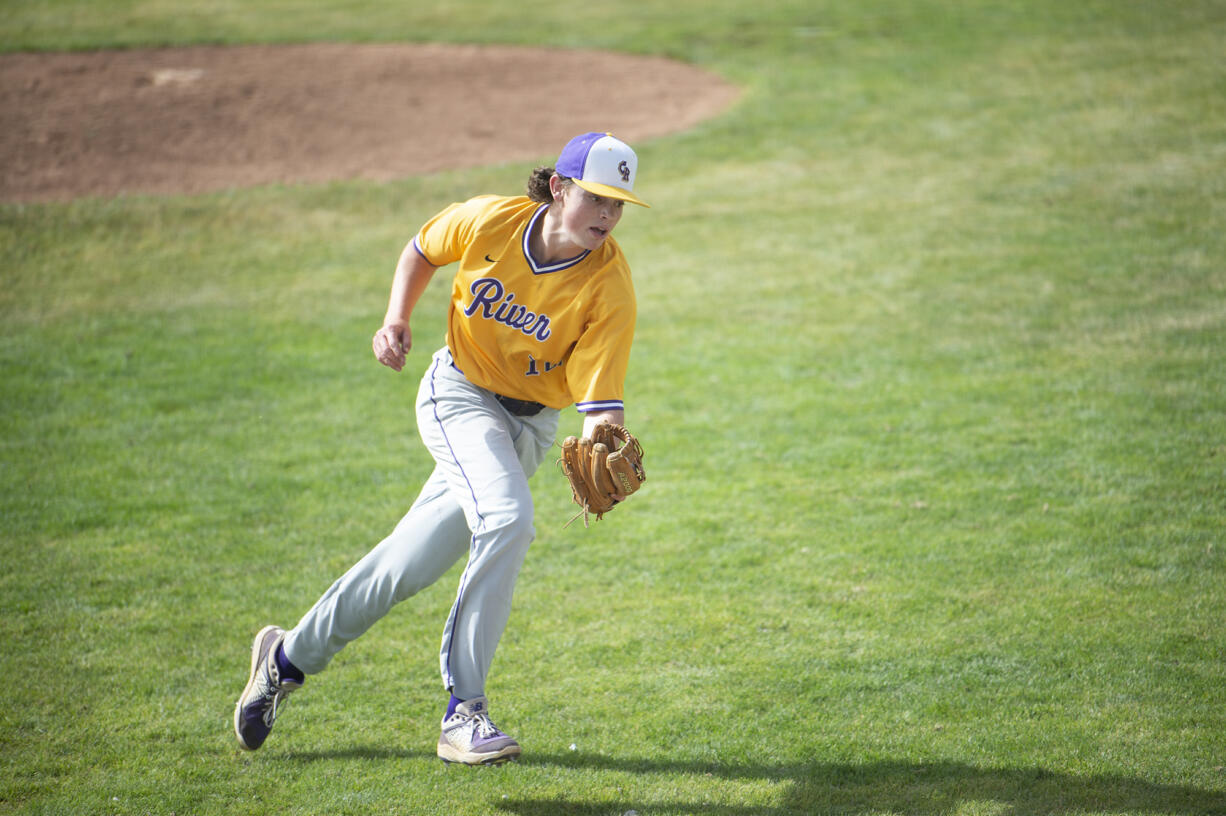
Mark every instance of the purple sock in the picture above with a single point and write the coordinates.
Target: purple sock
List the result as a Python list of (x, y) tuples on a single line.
[(288, 670), (455, 701)]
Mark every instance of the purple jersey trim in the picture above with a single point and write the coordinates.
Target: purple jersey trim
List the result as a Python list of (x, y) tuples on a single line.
[(417, 247), (538, 269), (600, 405)]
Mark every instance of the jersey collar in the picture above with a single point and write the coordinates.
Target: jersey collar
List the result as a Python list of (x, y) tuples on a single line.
[(539, 269)]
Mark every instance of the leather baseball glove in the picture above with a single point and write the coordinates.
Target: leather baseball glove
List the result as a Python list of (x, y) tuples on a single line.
[(600, 468)]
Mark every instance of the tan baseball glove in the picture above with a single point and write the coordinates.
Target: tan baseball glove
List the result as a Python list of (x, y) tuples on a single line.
[(599, 469)]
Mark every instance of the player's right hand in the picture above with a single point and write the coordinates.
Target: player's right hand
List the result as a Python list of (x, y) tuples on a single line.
[(391, 343)]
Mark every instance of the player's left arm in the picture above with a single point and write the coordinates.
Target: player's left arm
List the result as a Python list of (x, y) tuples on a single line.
[(613, 417)]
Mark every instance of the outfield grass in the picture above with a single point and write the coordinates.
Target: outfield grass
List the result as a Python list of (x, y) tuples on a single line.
[(929, 369)]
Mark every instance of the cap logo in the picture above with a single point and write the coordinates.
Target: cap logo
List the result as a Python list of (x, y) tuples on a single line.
[(624, 169)]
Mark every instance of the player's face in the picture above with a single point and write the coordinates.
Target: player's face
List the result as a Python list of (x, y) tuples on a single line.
[(587, 218)]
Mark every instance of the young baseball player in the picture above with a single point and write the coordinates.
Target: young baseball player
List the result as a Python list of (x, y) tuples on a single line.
[(541, 316)]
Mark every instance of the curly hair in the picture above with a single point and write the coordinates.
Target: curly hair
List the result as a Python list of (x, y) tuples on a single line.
[(538, 184)]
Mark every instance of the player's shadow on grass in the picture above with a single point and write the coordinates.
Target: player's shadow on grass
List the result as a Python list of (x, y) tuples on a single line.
[(812, 789), (905, 788)]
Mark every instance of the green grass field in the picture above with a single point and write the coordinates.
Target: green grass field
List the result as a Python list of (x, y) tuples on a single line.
[(931, 371)]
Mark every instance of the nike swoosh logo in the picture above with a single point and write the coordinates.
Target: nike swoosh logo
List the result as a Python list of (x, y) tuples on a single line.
[(491, 260)]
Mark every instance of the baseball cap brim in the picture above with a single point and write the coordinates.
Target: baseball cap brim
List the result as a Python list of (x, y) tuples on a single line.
[(610, 192)]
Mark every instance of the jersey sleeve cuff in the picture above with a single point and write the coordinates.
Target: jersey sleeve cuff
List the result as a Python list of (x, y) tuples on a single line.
[(421, 252), (600, 405)]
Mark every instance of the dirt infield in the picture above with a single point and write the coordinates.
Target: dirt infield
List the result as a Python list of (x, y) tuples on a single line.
[(191, 120)]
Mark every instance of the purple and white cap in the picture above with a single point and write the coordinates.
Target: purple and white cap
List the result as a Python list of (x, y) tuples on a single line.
[(601, 164)]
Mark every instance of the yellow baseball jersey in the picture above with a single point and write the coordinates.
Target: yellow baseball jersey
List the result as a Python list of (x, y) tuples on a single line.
[(557, 334)]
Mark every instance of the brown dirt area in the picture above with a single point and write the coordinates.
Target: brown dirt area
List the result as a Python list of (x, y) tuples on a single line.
[(192, 120)]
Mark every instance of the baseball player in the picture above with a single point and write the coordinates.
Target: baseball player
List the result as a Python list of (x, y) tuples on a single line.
[(541, 316)]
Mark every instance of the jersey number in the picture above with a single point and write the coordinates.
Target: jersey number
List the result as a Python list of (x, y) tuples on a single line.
[(535, 369)]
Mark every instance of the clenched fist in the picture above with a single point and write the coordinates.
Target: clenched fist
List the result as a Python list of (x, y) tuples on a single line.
[(391, 343)]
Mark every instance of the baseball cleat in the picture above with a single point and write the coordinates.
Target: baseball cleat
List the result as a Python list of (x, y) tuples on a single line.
[(470, 738), (256, 710)]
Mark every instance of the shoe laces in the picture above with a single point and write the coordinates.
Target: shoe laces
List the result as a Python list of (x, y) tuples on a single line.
[(272, 692), (484, 726)]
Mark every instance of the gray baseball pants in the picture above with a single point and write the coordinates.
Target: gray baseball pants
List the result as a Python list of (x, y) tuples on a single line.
[(476, 501)]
